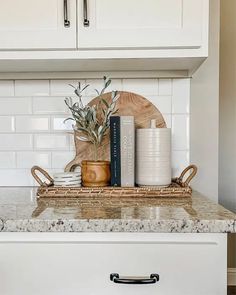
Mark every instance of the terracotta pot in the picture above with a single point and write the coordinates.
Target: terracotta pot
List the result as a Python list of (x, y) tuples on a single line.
[(96, 173)]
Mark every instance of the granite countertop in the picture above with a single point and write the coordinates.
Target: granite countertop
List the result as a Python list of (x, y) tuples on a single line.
[(21, 211)]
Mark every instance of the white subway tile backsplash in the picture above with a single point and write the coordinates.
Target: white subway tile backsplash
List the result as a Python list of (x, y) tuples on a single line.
[(165, 87), (16, 177), (29, 159), (15, 105), (141, 86), (51, 141), (7, 160), (61, 159), (181, 96), (32, 131), (7, 124), (15, 142), (59, 124), (32, 124), (31, 87), (49, 105), (163, 103), (180, 132), (62, 87), (72, 142), (116, 84), (180, 160), (7, 88)]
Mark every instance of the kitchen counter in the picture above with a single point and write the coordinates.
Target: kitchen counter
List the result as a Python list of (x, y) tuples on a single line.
[(21, 211)]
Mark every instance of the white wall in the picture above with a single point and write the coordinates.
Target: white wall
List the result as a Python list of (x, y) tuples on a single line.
[(204, 110), (32, 130), (227, 168)]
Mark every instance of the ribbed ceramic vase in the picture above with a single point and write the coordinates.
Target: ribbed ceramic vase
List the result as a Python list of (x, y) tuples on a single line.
[(153, 156)]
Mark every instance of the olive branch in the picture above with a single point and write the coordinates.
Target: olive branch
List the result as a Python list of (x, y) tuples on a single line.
[(92, 122)]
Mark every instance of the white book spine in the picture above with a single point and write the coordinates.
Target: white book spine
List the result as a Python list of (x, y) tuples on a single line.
[(127, 142)]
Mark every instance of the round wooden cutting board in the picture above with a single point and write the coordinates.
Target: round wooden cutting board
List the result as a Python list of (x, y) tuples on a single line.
[(128, 104)]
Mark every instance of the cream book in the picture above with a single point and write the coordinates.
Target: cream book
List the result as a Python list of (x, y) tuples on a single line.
[(127, 150)]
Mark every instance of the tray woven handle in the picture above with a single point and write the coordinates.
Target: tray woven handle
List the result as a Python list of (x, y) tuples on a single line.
[(189, 178), (38, 179)]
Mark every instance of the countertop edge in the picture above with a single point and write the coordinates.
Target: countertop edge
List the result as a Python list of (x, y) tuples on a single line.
[(116, 225)]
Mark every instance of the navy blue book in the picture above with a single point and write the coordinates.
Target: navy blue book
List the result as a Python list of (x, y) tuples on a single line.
[(115, 151)]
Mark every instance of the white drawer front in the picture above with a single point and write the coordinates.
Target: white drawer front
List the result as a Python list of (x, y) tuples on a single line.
[(185, 267)]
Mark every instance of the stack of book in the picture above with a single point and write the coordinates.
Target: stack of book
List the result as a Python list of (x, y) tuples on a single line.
[(122, 141)]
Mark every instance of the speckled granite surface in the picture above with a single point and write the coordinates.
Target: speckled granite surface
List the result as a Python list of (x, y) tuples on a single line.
[(20, 210)]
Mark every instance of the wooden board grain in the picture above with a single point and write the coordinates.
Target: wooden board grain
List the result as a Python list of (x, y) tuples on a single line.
[(129, 104)]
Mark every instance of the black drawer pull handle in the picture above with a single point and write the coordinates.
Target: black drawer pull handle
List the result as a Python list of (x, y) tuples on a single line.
[(86, 20), (66, 20), (154, 278)]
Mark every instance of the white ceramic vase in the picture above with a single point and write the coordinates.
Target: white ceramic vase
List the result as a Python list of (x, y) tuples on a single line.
[(153, 156)]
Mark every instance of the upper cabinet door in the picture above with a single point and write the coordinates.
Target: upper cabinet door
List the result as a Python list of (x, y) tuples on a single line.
[(141, 24), (37, 24)]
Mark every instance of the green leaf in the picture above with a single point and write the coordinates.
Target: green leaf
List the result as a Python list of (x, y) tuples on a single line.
[(82, 138), (82, 129), (94, 134), (98, 93), (77, 92), (115, 112), (72, 86), (116, 97), (105, 102), (104, 112), (107, 83), (86, 86), (100, 129), (113, 105), (79, 123)]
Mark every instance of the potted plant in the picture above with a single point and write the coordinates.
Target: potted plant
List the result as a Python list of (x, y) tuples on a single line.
[(91, 125)]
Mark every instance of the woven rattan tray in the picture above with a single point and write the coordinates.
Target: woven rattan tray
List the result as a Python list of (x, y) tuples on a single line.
[(177, 189)]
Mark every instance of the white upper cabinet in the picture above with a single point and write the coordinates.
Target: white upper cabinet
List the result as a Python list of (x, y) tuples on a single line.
[(37, 24), (142, 24), (104, 35)]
